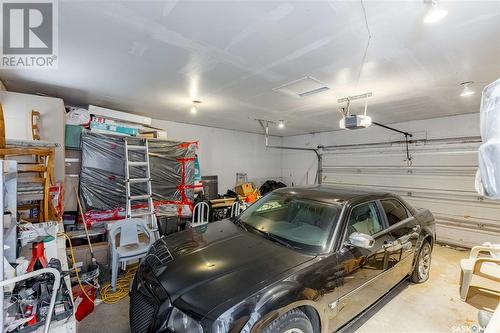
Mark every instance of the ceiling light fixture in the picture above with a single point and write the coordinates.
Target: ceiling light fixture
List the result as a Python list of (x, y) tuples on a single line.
[(467, 91), (194, 109), (281, 124), (434, 14)]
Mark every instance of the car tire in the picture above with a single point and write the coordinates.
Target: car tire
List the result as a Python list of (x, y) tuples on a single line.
[(294, 321), (422, 264)]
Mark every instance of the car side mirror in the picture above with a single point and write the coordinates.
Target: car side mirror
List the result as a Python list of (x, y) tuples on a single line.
[(364, 241)]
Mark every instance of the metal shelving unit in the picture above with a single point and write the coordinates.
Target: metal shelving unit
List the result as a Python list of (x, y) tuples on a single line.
[(8, 242), (9, 194), (8, 237)]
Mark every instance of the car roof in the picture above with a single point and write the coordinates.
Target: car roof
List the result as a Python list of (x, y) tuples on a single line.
[(332, 194)]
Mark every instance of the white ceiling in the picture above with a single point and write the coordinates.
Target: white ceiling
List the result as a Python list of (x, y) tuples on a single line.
[(154, 57)]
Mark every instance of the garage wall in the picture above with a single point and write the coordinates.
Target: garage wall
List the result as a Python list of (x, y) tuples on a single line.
[(441, 176), (222, 152), (226, 152), (17, 109)]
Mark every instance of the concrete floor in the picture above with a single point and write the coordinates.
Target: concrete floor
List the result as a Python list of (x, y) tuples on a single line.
[(433, 306)]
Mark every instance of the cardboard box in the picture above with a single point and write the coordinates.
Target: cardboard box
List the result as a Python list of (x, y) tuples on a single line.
[(244, 189), (82, 254), (69, 195), (114, 128)]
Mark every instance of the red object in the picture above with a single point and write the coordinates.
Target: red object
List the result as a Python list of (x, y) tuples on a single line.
[(38, 259), (189, 143), (32, 321), (86, 306), (56, 197), (29, 311), (251, 198)]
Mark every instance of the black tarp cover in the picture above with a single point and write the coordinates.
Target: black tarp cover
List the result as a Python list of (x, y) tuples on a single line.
[(102, 186)]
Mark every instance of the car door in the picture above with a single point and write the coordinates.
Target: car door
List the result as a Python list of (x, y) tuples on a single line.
[(405, 230), (362, 271)]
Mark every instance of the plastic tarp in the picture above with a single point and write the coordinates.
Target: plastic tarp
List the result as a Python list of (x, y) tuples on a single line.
[(488, 180), (102, 178), (77, 116)]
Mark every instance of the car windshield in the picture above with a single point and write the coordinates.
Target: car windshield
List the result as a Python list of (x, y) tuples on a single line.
[(293, 221)]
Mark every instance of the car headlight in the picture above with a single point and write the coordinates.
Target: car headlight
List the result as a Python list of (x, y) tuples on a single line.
[(179, 322)]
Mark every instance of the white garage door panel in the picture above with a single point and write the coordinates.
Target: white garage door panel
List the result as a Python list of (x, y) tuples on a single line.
[(482, 213), (404, 182), (422, 158), (441, 178), (463, 236)]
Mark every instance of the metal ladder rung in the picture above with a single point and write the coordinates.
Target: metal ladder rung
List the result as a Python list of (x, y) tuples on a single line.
[(136, 147), (139, 197), (137, 163), (149, 213), (138, 180)]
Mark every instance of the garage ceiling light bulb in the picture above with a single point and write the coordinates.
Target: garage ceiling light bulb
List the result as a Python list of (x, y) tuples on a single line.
[(467, 91), (281, 124), (435, 13), (194, 109)]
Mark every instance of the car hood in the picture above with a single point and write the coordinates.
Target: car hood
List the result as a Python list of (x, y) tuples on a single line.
[(221, 262)]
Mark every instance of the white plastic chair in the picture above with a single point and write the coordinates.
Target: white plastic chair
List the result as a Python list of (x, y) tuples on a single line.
[(200, 214), (485, 266), (130, 247), (237, 208), (493, 322)]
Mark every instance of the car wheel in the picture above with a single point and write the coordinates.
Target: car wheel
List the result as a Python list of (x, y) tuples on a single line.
[(294, 321), (423, 265)]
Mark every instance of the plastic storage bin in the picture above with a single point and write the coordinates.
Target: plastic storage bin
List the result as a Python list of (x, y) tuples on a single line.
[(73, 136)]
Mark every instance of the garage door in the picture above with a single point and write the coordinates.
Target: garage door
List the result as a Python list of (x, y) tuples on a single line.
[(440, 178)]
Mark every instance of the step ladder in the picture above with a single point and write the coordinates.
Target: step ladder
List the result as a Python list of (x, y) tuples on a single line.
[(148, 195)]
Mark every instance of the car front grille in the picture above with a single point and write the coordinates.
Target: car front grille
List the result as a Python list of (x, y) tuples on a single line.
[(158, 255), (142, 310)]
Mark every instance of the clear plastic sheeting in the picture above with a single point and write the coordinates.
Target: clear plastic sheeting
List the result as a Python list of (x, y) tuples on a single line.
[(102, 178), (488, 179)]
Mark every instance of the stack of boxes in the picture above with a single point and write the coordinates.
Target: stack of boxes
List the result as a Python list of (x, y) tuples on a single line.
[(247, 192)]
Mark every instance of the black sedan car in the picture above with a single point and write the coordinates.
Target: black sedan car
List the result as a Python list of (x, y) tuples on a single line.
[(299, 260)]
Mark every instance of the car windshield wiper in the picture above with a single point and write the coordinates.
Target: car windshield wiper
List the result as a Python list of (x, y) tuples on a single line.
[(281, 241), (272, 237), (238, 222)]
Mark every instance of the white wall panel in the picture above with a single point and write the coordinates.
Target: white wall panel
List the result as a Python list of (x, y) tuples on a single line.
[(225, 152), (17, 116)]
